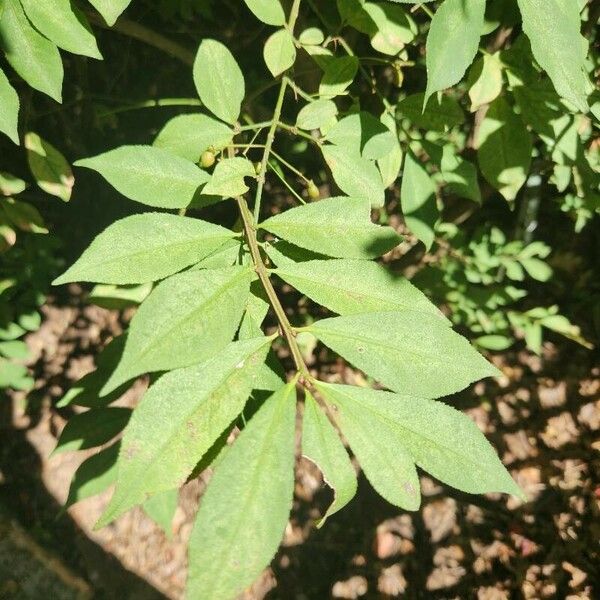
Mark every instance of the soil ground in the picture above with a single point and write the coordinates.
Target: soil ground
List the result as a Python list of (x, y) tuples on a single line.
[(543, 416)]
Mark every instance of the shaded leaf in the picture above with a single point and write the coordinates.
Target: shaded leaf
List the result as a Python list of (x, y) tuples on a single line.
[(338, 74), (51, 170), (504, 149), (439, 114), (267, 11), (161, 509), (418, 199), (92, 428)]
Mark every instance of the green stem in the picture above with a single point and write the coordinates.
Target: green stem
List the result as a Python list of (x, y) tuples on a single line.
[(293, 129), (289, 166), (267, 152), (263, 274), (287, 185)]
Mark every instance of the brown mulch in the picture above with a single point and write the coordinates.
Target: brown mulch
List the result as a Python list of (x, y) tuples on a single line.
[(543, 416)]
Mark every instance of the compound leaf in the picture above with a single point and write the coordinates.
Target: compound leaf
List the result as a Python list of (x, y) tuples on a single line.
[(149, 175), (146, 247), (339, 227), (179, 419), (339, 73), (322, 445), (187, 319), (316, 114), (410, 352), (219, 80), (245, 509)]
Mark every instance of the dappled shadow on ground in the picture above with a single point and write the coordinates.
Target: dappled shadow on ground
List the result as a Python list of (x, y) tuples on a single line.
[(543, 416)]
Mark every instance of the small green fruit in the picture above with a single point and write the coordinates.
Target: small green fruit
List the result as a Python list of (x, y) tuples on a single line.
[(207, 159), (313, 191)]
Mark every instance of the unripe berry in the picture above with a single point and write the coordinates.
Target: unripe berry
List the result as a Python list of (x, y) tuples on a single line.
[(313, 191), (207, 159)]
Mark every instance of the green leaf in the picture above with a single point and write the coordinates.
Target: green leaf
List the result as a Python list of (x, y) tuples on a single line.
[(388, 26), (10, 185), (188, 318), (267, 11), (485, 81), (322, 445), (86, 392), (161, 509), (389, 165), (146, 247), (537, 268), (339, 227), (338, 74), (354, 175), (418, 198), (149, 175), (9, 109), (377, 445), (504, 149), (114, 297), (410, 352), (279, 52), (219, 80), (439, 114), (227, 180), (311, 36), (179, 419), (316, 114), (189, 136), (92, 428), (362, 134), (23, 216), (65, 25), (94, 475), (50, 168), (452, 42), (245, 509), (459, 174), (354, 286), (553, 28), (31, 55), (440, 439), (15, 349), (110, 9)]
